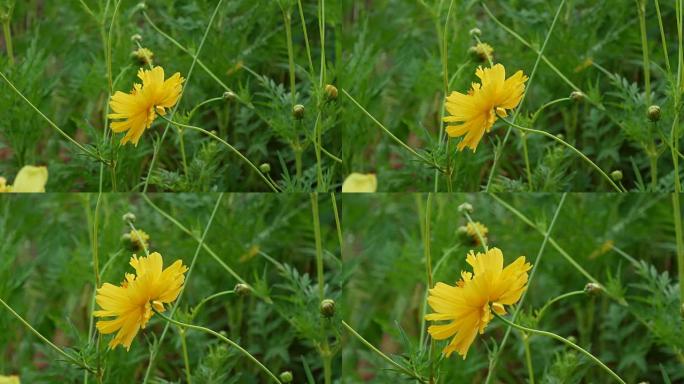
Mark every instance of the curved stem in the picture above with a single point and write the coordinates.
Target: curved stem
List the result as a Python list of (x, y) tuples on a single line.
[(540, 314), (381, 354), (46, 341), (578, 152), (550, 103), (564, 341), (240, 155), (220, 336), (205, 102), (208, 298)]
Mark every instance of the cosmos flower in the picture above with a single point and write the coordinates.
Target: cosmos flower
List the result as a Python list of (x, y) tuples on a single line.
[(140, 107), (477, 111), (29, 179), (132, 302), (467, 306), (359, 182)]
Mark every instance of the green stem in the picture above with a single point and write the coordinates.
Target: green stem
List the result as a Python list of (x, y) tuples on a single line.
[(543, 107), (389, 133), (52, 124), (541, 312), (499, 152), (233, 149), (8, 38), (223, 338), (528, 357), (527, 161), (483, 240), (338, 227), (205, 102), (195, 310), (186, 360), (319, 248), (662, 37), (381, 354), (157, 147), (46, 341), (428, 273), (641, 8), (142, 243), (154, 350), (564, 341), (561, 141), (182, 150), (108, 53), (306, 37)]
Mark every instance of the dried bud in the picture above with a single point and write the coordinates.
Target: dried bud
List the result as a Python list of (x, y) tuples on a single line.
[(265, 168), (298, 111), (654, 113), (475, 32), (465, 208), (593, 288), (577, 96), (141, 6), (616, 175), (328, 308), (128, 217), (286, 377), (242, 289), (331, 92), (136, 37), (229, 95)]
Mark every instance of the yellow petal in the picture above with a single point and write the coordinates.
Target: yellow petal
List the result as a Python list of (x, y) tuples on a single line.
[(360, 183), (30, 179)]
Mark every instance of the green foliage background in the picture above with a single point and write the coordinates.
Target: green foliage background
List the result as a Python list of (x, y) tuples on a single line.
[(392, 48), (46, 275), (633, 327), (61, 68)]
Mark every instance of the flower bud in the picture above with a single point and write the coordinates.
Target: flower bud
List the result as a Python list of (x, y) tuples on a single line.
[(328, 308), (126, 239), (242, 289), (462, 230), (286, 377), (229, 95), (265, 168), (577, 96), (331, 92), (482, 52), (475, 32), (143, 55), (616, 175), (654, 113), (141, 6), (593, 288), (136, 37), (465, 208), (298, 111), (128, 217)]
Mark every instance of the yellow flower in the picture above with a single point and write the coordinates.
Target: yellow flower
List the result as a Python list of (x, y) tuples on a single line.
[(359, 182), (483, 51), (30, 179), (477, 111), (468, 305), (140, 239), (473, 228), (140, 107), (9, 379), (131, 303), (143, 55)]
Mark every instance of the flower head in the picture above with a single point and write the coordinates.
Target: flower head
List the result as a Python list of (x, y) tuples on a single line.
[(30, 179), (132, 302), (482, 51), (140, 239), (468, 305), (477, 111), (359, 182), (140, 107), (143, 56), (473, 228)]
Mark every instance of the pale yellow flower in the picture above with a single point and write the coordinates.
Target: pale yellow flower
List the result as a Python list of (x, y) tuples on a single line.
[(478, 110), (14, 379), (139, 108), (30, 179), (468, 305), (131, 303), (359, 182)]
